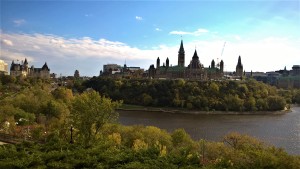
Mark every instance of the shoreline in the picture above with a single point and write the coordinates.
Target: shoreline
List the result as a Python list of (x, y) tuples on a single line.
[(198, 112)]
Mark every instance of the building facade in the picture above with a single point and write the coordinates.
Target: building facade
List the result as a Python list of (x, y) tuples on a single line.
[(239, 68), (22, 69), (194, 71), (290, 79), (3, 68)]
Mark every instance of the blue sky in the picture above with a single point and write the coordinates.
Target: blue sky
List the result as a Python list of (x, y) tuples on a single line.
[(84, 35)]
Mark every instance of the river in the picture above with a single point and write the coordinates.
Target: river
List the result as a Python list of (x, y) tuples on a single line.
[(278, 130)]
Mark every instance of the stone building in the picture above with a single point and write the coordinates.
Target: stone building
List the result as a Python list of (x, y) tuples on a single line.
[(195, 70), (76, 74), (22, 69), (239, 68), (290, 79), (3, 68)]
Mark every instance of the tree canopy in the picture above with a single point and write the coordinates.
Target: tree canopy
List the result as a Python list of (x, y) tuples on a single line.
[(247, 95)]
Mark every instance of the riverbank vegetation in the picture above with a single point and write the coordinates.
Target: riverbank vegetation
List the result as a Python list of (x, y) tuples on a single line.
[(248, 95), (138, 147), (60, 129)]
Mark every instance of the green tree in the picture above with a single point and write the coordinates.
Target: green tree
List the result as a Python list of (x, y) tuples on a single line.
[(250, 104), (276, 103), (296, 98), (147, 99), (90, 112), (63, 93)]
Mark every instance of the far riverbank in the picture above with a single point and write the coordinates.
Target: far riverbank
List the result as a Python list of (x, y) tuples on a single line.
[(196, 112)]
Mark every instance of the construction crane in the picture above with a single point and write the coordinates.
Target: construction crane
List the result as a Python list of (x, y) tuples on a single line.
[(223, 49), (218, 63)]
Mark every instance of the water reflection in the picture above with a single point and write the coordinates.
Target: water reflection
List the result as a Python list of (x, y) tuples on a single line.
[(279, 130)]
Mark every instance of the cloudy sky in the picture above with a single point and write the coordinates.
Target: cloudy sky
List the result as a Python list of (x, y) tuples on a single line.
[(84, 35)]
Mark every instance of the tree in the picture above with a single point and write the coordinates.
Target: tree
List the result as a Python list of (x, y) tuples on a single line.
[(276, 103), (90, 112), (147, 99), (63, 93), (297, 97)]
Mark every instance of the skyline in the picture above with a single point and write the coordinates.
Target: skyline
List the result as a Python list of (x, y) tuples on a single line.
[(83, 36)]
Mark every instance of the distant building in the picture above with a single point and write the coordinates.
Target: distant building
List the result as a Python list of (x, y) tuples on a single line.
[(295, 70), (52, 75), (195, 70), (76, 74), (239, 68), (110, 69), (290, 79), (117, 71), (3, 68), (23, 70)]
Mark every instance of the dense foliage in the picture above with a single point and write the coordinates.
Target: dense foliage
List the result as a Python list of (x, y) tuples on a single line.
[(247, 95), (147, 147), (42, 113), (35, 109)]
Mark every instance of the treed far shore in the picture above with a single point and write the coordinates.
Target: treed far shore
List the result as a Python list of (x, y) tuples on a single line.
[(137, 108)]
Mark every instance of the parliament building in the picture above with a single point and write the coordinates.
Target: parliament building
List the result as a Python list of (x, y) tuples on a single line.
[(194, 71)]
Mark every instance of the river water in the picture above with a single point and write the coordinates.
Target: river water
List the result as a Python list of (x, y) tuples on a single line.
[(279, 130)]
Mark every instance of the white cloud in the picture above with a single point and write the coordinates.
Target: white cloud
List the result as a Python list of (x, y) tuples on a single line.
[(179, 33), (139, 18), (237, 37), (7, 42), (65, 55), (36, 47), (19, 22), (195, 33), (88, 15), (158, 29)]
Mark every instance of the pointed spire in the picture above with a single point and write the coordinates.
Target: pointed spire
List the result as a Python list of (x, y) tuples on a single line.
[(167, 62), (181, 55), (222, 66), (213, 63), (45, 67), (195, 55), (25, 62), (181, 49), (240, 61)]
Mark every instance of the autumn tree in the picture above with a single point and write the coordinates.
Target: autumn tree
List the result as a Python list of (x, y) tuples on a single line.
[(90, 112)]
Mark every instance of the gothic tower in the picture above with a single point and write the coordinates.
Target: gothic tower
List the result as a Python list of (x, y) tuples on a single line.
[(157, 63), (212, 64), (181, 55), (239, 68), (221, 66), (167, 62), (195, 63)]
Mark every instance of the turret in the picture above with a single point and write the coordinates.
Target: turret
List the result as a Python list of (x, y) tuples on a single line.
[(12, 65), (167, 62), (181, 55), (25, 65), (157, 63), (76, 74), (25, 62), (195, 56), (213, 64), (239, 67), (222, 66), (45, 67)]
